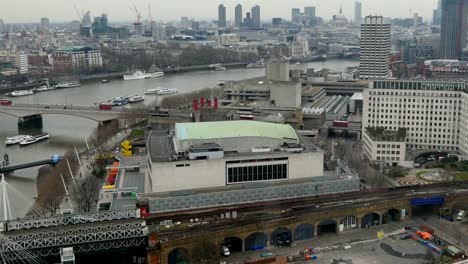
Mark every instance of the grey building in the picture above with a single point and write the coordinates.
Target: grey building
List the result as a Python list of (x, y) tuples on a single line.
[(44, 22), (357, 12), (1, 26), (375, 48), (256, 21), (221, 16), (453, 28), (309, 11), (295, 15), (238, 15), (415, 52)]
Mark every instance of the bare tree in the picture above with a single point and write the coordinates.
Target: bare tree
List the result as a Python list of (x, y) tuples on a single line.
[(205, 252), (84, 194)]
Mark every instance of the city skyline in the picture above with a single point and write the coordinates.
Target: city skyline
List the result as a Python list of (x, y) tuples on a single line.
[(119, 11)]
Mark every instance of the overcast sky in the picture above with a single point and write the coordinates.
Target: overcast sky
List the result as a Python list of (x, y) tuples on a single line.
[(118, 10)]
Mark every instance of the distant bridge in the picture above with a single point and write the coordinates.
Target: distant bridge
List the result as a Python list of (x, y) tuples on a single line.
[(88, 112)]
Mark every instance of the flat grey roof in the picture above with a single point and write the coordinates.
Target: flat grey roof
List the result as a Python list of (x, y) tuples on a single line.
[(160, 146), (134, 180)]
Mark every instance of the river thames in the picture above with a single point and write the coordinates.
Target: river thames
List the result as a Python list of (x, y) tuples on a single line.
[(67, 131)]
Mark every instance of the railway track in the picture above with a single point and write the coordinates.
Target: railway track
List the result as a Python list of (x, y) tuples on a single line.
[(303, 205)]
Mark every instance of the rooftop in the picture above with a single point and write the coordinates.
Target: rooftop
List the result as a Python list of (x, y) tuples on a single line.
[(380, 134), (232, 129)]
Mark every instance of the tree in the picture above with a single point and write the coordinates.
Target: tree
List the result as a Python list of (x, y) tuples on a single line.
[(205, 252), (84, 194)]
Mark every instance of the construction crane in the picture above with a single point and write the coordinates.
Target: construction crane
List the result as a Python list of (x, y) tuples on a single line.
[(137, 13), (80, 15)]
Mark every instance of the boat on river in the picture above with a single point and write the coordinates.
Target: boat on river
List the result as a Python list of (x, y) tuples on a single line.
[(33, 139), (153, 91), (21, 93), (135, 99), (15, 140), (164, 91), (68, 84), (139, 75), (44, 88), (257, 64)]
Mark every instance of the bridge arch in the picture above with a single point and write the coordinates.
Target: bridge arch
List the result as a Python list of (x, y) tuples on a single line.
[(304, 231), (327, 226), (233, 243), (280, 235), (257, 240), (177, 255), (370, 219)]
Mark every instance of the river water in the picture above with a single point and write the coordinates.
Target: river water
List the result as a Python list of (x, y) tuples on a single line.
[(67, 131)]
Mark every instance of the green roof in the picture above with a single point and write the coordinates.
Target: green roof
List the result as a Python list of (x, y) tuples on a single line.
[(230, 129)]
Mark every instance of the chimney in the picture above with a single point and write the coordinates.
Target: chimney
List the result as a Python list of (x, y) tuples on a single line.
[(195, 105), (215, 103)]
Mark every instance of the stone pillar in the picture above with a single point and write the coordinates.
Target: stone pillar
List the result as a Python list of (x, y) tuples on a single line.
[(381, 219), (32, 121), (243, 245)]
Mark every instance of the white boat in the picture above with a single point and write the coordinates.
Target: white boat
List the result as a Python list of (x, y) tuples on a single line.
[(220, 68), (258, 64), (135, 99), (139, 75), (153, 91), (15, 140), (222, 83), (68, 84), (33, 139), (164, 91), (44, 88), (21, 93)]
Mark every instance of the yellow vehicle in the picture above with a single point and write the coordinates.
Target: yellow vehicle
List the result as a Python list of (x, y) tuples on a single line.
[(127, 149)]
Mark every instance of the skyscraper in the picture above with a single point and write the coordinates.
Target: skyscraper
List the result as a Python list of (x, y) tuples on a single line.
[(357, 12), (238, 15), (221, 16), (256, 17), (1, 26), (309, 11), (295, 15), (375, 48), (453, 28), (44, 22)]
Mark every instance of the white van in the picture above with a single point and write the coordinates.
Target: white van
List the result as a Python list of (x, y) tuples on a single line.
[(461, 216), (225, 251)]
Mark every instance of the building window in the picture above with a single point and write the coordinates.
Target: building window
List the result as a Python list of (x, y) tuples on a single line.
[(257, 173)]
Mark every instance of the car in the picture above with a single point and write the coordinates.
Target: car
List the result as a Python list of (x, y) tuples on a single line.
[(405, 236), (225, 251), (461, 216)]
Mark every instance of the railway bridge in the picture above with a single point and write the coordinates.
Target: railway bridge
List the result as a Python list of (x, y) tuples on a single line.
[(299, 220), (37, 238)]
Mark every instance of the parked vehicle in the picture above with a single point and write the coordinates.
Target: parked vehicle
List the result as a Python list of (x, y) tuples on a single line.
[(5, 102), (225, 251), (105, 106), (461, 216), (405, 236)]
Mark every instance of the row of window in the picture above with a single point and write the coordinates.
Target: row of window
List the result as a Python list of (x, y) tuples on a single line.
[(435, 118), (430, 141), (388, 152), (408, 123), (411, 106), (431, 147), (388, 158), (257, 173), (441, 86), (388, 146), (414, 100)]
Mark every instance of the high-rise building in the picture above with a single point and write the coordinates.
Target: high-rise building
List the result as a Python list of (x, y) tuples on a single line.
[(295, 15), (375, 48), (256, 17), (357, 12), (238, 15), (453, 28), (309, 11), (437, 14), (44, 22), (1, 26), (221, 16)]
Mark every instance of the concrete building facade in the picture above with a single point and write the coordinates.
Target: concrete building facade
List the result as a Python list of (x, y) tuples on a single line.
[(238, 16), (434, 113), (218, 154), (77, 59), (256, 19), (375, 48)]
